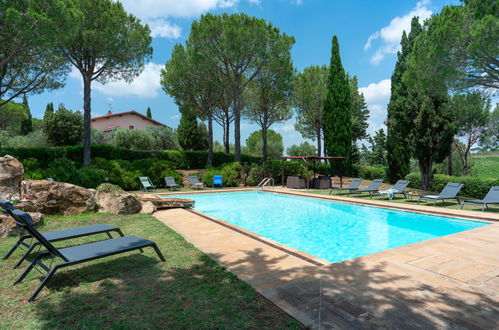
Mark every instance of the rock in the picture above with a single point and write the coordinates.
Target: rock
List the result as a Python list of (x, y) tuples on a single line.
[(11, 175), (58, 197), (111, 198), (166, 203), (148, 207), (8, 226), (26, 206)]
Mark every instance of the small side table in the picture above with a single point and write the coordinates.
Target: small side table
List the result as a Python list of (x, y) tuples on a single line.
[(410, 195)]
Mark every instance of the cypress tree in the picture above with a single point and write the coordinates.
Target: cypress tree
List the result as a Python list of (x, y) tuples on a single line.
[(188, 130), (400, 117), (49, 111), (26, 124), (337, 109), (149, 114)]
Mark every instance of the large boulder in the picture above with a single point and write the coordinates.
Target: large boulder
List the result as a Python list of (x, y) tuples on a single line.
[(50, 197), (147, 208), (111, 198), (166, 203), (11, 175), (8, 226)]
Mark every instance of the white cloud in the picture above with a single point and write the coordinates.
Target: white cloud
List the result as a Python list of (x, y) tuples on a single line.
[(286, 127), (162, 28), (390, 35), (146, 85), (377, 96)]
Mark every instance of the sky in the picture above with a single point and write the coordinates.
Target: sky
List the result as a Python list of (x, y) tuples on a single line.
[(369, 35)]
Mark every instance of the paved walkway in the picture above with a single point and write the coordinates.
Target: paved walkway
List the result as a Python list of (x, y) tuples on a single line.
[(447, 282)]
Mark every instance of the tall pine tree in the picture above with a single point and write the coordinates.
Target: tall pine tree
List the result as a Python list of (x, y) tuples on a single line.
[(149, 114), (26, 124), (400, 117), (337, 109)]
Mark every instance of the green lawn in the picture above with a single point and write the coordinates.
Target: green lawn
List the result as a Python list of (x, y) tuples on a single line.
[(135, 290), (449, 204), (485, 167)]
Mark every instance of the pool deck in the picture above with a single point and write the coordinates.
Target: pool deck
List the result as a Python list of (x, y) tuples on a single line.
[(446, 282)]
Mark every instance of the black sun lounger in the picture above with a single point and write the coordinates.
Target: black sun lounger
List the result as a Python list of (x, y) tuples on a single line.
[(76, 254), (492, 197), (170, 183), (371, 189), (354, 185), (53, 236), (450, 191)]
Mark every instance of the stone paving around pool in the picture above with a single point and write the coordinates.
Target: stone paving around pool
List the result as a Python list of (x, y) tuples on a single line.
[(446, 282)]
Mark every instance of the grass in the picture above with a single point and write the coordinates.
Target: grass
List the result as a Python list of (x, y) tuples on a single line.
[(182, 189), (485, 167), (135, 290), (448, 204)]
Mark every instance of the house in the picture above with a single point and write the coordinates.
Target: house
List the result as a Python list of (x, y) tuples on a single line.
[(127, 120)]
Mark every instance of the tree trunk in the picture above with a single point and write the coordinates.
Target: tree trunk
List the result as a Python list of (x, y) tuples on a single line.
[(319, 142), (425, 170), (465, 163), (264, 144), (227, 133), (87, 114), (210, 141), (237, 128), (450, 164)]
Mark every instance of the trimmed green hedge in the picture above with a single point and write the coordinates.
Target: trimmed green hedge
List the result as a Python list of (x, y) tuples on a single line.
[(473, 186), (372, 172), (179, 159)]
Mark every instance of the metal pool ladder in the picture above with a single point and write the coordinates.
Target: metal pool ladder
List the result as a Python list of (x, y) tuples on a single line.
[(265, 182)]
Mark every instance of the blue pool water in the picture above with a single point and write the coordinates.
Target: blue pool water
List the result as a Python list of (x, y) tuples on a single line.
[(329, 230)]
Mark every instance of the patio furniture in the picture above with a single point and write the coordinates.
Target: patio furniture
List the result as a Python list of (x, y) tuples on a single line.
[(354, 185), (52, 236), (322, 182), (492, 197), (398, 188), (450, 191), (146, 183), (217, 181), (296, 182), (194, 182), (76, 254), (372, 188), (170, 183)]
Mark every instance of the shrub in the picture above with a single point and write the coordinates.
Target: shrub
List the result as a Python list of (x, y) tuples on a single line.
[(64, 127), (61, 169), (372, 172), (230, 172), (473, 187), (133, 139), (90, 177)]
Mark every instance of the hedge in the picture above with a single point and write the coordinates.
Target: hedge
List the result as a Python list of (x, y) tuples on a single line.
[(475, 187), (372, 172), (179, 159)]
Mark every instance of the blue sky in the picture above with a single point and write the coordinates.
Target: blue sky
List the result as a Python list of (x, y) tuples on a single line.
[(368, 31)]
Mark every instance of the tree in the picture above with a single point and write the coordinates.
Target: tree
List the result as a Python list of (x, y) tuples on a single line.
[(188, 131), (28, 60), (12, 115), (275, 146), (203, 137), (400, 119), (238, 47), (304, 149), (64, 127), (149, 114), (309, 96), (165, 138), (490, 141), (109, 44), (377, 155), (268, 97), (472, 117), (359, 111), (337, 109), (133, 139), (49, 111), (26, 124)]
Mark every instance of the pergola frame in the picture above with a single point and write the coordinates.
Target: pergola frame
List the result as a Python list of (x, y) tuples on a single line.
[(307, 159)]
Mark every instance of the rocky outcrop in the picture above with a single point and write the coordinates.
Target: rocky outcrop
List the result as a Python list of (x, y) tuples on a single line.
[(147, 208), (166, 203), (58, 197), (11, 175), (111, 198), (8, 226)]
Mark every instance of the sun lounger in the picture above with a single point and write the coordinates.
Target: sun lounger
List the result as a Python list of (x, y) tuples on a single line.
[(354, 185), (450, 191), (217, 181), (52, 236), (146, 183), (492, 197), (170, 183), (398, 188), (76, 254), (372, 188), (194, 182)]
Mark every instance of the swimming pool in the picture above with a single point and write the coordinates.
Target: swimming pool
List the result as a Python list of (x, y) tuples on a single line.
[(330, 230)]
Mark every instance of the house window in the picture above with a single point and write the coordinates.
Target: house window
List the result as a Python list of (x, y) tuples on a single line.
[(130, 127)]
